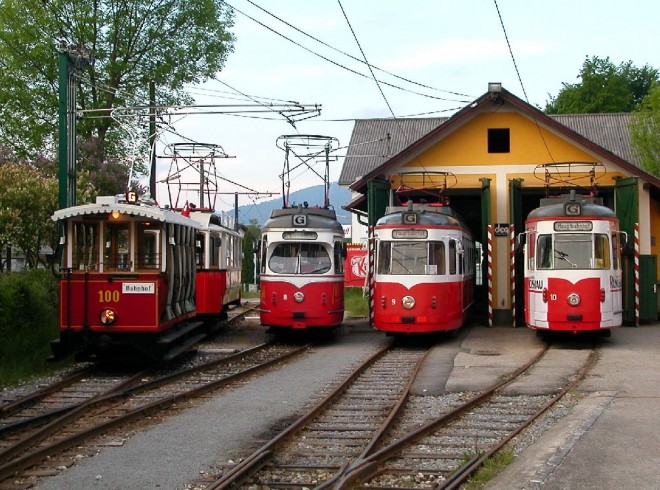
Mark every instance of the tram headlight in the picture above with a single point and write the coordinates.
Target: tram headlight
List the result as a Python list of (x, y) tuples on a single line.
[(573, 299), (408, 302), (108, 316), (298, 297)]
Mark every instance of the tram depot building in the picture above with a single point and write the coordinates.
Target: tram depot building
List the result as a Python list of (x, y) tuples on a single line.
[(495, 160)]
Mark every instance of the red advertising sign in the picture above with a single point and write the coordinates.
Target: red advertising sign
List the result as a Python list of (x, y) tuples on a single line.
[(355, 267)]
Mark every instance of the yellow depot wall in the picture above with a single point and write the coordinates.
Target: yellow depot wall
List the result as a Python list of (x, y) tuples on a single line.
[(655, 232), (468, 145)]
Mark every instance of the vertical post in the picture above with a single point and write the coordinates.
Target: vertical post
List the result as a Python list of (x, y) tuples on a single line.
[(63, 78), (152, 139), (236, 211), (636, 273), (490, 275), (512, 237)]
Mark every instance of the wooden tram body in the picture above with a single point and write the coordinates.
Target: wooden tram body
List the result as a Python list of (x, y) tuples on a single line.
[(573, 268), (133, 281), (302, 269), (424, 274)]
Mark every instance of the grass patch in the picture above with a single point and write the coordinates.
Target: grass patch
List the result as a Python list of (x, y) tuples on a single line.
[(28, 322), (491, 468), (355, 303)]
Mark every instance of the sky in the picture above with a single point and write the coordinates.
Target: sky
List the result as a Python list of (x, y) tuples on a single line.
[(450, 49)]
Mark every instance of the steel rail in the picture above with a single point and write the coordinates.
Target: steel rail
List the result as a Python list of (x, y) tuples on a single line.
[(472, 466), (258, 459), (366, 468), (16, 405), (10, 408), (39, 454)]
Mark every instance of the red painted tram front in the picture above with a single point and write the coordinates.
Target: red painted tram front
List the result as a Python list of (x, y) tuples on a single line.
[(127, 280), (573, 270), (424, 270), (302, 269)]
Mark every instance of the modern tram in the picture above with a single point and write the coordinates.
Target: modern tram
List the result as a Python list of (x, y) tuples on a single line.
[(573, 268), (424, 278)]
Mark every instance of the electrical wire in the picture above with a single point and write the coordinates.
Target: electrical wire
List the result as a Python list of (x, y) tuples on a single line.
[(335, 62), (351, 56)]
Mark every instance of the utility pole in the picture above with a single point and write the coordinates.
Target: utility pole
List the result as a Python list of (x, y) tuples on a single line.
[(152, 139), (71, 59)]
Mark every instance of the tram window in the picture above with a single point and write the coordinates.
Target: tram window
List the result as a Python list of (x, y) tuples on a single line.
[(215, 254), (85, 246), (148, 252), (601, 252), (437, 258), (544, 252), (264, 248), (200, 248), (452, 257), (409, 258), (314, 259), (616, 251), (300, 258), (573, 251), (339, 257), (531, 248), (116, 254), (384, 255)]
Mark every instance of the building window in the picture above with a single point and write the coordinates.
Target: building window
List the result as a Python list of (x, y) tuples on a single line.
[(499, 140)]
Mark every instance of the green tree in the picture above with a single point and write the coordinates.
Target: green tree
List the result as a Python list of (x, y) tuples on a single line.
[(645, 131), (27, 200), (250, 238), (604, 87), (131, 43)]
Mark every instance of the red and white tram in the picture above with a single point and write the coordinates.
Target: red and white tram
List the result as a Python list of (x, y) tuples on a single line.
[(573, 271), (218, 258), (424, 274), (302, 269)]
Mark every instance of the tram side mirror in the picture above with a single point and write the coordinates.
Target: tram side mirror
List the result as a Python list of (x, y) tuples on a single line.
[(521, 240)]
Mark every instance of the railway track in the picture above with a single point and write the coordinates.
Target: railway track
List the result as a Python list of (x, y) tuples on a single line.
[(402, 444), (82, 386), (126, 401), (446, 450), (338, 429)]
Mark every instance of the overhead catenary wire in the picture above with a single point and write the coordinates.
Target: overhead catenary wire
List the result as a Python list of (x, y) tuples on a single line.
[(325, 58), (522, 85)]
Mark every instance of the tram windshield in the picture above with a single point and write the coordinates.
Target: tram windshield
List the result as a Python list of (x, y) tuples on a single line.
[(414, 258), (299, 258), (573, 251)]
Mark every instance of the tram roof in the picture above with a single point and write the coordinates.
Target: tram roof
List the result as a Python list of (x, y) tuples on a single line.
[(559, 210), (323, 218), (428, 215), (145, 211)]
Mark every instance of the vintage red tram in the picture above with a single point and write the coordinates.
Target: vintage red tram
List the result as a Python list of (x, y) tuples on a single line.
[(138, 280), (424, 275), (302, 269), (573, 268)]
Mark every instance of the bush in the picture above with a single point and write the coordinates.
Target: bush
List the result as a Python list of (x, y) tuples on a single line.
[(28, 322)]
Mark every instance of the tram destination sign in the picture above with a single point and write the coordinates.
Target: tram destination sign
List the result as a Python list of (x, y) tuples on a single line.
[(414, 234), (574, 226)]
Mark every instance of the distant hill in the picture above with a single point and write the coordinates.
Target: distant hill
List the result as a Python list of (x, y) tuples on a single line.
[(260, 211)]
